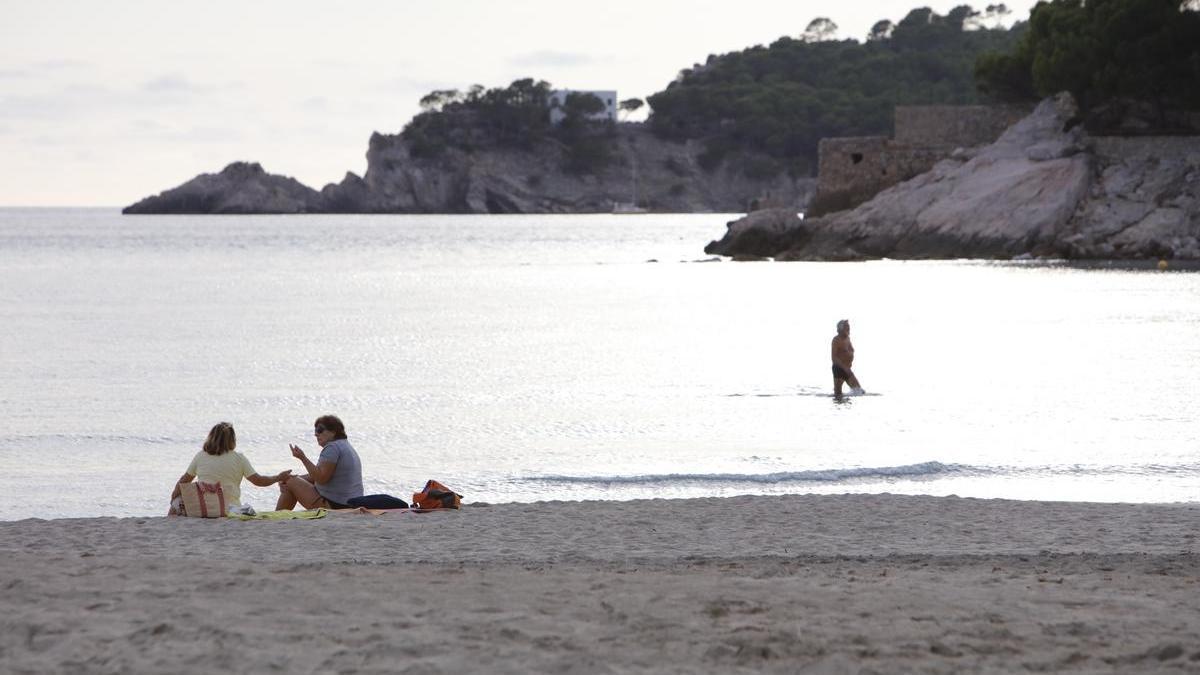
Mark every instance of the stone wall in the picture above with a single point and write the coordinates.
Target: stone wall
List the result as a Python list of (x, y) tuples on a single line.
[(954, 126), (851, 171), (852, 165), (1118, 148)]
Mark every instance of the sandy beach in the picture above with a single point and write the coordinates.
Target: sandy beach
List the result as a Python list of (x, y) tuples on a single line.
[(822, 584)]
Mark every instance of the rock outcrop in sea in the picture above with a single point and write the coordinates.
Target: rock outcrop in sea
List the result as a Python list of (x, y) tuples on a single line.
[(660, 175), (241, 187), (1043, 189)]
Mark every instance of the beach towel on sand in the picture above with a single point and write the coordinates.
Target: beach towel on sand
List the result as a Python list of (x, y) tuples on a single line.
[(281, 515)]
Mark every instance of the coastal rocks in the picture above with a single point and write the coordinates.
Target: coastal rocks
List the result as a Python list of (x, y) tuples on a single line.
[(641, 169), (1140, 206), (761, 233), (241, 187), (345, 197), (1010, 198), (1043, 189), (396, 182)]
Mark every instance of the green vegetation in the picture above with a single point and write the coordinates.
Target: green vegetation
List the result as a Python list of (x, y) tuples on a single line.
[(782, 99), (513, 116), (630, 106), (1102, 50), (589, 143), (516, 116)]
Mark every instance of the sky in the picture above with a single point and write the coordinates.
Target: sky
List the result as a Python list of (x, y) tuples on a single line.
[(103, 103)]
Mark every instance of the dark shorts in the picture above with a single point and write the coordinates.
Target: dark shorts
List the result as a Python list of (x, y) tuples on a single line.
[(840, 372), (334, 505)]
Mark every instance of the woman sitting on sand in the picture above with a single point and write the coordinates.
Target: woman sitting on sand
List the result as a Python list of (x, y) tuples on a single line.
[(334, 480), (218, 462)]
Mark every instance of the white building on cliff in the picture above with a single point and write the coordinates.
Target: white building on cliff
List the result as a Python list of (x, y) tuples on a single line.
[(558, 98)]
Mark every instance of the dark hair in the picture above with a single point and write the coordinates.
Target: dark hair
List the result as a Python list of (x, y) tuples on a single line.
[(221, 439), (332, 423)]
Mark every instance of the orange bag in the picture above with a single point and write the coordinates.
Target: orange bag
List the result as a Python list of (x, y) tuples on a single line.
[(436, 496)]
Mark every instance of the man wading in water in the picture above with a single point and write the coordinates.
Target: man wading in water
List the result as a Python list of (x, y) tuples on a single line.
[(843, 358)]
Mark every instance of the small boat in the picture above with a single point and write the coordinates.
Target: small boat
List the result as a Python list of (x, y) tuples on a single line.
[(628, 208), (632, 205)]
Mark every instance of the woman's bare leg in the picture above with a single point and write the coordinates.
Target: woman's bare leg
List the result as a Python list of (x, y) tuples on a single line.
[(296, 489)]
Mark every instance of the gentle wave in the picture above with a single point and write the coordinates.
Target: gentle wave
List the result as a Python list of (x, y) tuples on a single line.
[(1153, 469), (923, 469), (932, 469), (76, 439)]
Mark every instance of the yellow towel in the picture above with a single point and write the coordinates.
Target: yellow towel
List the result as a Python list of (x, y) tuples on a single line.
[(282, 515)]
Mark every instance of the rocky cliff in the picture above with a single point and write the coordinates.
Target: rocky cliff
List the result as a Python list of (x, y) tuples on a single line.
[(1043, 188), (660, 175), (241, 187)]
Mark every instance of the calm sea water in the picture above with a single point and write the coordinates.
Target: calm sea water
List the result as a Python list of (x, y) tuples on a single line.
[(525, 358)]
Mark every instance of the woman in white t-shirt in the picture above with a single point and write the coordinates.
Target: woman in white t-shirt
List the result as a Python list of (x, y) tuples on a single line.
[(218, 462)]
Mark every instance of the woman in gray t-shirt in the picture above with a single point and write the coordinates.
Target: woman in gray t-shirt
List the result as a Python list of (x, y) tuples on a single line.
[(334, 480)]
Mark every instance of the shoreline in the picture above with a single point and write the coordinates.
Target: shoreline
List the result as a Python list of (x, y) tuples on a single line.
[(665, 502), (832, 583)]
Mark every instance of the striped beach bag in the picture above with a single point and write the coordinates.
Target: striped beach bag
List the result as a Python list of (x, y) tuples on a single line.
[(202, 500)]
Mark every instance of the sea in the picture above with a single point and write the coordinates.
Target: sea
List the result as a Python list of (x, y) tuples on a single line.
[(575, 357)]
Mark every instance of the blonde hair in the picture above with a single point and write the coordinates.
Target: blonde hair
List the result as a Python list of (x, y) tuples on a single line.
[(221, 439)]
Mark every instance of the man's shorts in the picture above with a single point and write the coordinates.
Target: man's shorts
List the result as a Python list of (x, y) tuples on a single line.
[(840, 372), (334, 505)]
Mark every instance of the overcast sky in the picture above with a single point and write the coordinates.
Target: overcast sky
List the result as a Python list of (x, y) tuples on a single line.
[(106, 102)]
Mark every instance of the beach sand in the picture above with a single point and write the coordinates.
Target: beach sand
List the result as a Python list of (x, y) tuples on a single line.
[(822, 584)]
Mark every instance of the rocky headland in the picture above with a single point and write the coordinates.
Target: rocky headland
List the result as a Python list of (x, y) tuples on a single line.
[(660, 175), (1043, 189), (242, 187)]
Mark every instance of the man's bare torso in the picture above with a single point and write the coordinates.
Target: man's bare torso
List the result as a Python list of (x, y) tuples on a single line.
[(843, 351)]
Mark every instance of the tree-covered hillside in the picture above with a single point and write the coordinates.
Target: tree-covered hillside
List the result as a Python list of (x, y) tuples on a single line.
[(778, 100), (516, 116), (784, 98), (1105, 52)]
